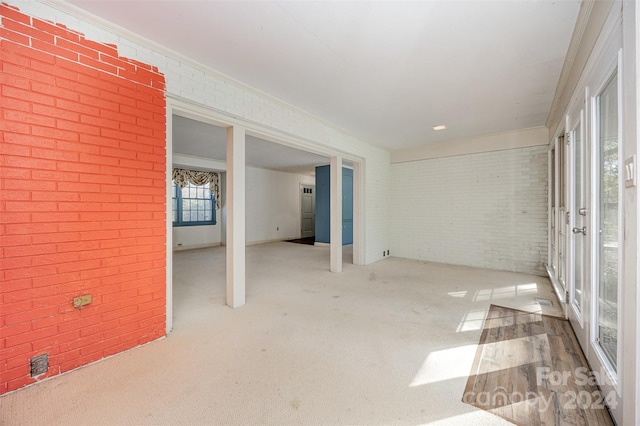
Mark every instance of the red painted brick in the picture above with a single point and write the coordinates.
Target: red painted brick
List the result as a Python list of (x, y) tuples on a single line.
[(29, 140), (79, 207), (131, 110), (81, 265), (14, 37), (18, 329), (100, 47), (14, 375), (57, 30), (18, 361), (78, 107), (14, 351), (102, 104), (31, 96), (54, 133), (119, 82), (54, 217), (14, 217), (14, 81), (13, 58), (80, 343), (30, 228), (61, 358), (51, 111), (14, 173), (6, 149), (31, 335), (53, 342), (98, 217), (27, 30), (77, 127), (108, 131), (16, 240), (116, 62), (27, 73), (31, 185), (79, 323), (13, 13), (54, 154), (98, 65), (71, 90), (97, 160), (32, 314), (31, 163), (74, 45), (26, 52), (36, 271), (54, 50), (56, 91), (28, 206), (55, 175), (22, 117)]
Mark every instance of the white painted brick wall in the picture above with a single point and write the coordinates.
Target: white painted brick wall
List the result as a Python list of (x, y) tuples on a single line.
[(207, 87), (485, 210)]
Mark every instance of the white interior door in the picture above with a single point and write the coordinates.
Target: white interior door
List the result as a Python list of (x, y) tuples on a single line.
[(308, 211), (578, 265)]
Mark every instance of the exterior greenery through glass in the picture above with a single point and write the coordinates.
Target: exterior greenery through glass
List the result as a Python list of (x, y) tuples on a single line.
[(608, 237), (193, 205)]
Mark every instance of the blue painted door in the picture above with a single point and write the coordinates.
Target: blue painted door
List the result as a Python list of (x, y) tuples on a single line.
[(347, 206), (323, 205)]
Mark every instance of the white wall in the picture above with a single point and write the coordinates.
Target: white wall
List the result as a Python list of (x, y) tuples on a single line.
[(486, 210), (185, 237), (273, 204), (273, 208)]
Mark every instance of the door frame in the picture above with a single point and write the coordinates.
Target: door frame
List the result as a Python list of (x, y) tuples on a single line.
[(180, 106), (578, 315)]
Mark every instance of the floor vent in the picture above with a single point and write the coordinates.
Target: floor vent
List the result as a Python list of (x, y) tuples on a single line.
[(543, 302), (39, 365)]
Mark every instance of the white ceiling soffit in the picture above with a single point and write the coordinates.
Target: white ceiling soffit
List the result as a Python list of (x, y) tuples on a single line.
[(385, 71), (200, 139)]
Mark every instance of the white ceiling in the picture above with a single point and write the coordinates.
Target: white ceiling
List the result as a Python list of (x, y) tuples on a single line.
[(200, 139), (385, 71)]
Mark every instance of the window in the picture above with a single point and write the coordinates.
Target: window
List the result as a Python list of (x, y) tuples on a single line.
[(193, 205), (608, 237)]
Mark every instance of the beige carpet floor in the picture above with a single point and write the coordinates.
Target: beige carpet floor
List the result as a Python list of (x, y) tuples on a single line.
[(388, 343)]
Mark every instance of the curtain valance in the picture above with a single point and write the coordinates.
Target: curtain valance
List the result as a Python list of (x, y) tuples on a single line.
[(198, 177)]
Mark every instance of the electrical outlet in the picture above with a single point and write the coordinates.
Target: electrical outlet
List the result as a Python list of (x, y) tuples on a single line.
[(79, 302)]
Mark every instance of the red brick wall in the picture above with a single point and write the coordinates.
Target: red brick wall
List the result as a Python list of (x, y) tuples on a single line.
[(82, 199)]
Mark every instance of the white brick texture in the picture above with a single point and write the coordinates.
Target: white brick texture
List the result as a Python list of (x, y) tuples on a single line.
[(485, 210)]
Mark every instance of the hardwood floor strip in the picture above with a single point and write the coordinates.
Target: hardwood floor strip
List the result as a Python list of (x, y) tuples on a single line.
[(525, 371)]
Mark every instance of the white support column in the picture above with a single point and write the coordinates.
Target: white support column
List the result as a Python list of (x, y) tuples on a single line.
[(336, 214), (358, 210), (235, 201)]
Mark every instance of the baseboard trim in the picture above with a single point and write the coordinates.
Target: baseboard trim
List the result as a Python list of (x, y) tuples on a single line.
[(196, 246)]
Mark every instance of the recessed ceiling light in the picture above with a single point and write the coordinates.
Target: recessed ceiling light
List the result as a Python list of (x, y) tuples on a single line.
[(439, 127)]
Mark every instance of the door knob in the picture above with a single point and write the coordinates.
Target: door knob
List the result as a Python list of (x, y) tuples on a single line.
[(582, 230)]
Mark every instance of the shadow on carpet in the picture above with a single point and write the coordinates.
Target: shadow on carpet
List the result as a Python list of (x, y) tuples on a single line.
[(530, 370), (308, 241)]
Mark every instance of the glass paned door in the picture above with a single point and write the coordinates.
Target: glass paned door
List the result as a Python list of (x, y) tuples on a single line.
[(578, 212), (608, 223)]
